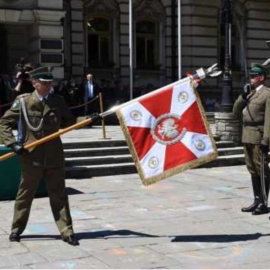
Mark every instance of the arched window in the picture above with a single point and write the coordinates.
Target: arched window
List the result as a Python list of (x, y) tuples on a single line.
[(146, 45), (149, 17), (99, 40)]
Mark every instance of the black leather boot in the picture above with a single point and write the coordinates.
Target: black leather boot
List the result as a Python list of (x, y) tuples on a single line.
[(256, 186), (260, 210), (252, 207), (71, 240), (14, 237), (262, 207)]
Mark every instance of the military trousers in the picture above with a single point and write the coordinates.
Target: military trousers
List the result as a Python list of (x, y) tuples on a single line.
[(253, 159), (253, 164), (55, 182)]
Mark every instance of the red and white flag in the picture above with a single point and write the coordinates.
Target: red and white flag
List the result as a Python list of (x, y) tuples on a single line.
[(167, 131)]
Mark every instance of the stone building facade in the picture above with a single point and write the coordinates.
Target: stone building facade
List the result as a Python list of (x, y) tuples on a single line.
[(79, 36)]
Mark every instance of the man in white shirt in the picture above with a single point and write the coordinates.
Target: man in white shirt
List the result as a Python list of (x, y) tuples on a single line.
[(89, 90)]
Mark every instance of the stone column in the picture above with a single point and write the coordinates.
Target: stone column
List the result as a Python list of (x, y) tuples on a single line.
[(228, 127), (78, 58)]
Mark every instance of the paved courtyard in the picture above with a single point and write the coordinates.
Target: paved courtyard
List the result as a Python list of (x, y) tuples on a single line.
[(94, 133), (191, 220)]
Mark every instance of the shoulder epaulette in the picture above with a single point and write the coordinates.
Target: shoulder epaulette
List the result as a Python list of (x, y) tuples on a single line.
[(23, 95), (18, 99)]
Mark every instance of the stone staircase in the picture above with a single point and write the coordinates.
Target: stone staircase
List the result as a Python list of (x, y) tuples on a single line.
[(112, 157)]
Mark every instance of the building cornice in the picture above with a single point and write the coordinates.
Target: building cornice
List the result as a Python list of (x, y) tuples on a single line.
[(30, 16)]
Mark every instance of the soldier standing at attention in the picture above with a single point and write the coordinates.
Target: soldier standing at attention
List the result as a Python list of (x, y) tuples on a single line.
[(251, 108), (39, 114)]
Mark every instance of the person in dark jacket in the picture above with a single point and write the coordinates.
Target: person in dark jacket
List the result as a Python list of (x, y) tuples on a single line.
[(88, 90)]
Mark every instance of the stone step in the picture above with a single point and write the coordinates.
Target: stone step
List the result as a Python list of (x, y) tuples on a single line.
[(97, 160), (94, 144), (112, 157), (230, 151), (79, 172), (115, 143), (223, 161), (118, 157), (113, 152), (89, 149), (225, 144), (101, 151)]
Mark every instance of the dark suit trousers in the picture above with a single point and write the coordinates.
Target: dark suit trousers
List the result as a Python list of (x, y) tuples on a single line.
[(55, 181)]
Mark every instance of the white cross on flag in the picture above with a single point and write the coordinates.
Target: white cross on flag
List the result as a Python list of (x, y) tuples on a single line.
[(167, 131)]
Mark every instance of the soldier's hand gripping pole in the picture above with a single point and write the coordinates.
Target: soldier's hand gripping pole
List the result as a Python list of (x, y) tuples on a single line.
[(52, 136)]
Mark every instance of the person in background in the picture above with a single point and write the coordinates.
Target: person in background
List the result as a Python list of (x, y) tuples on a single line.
[(24, 84), (88, 90)]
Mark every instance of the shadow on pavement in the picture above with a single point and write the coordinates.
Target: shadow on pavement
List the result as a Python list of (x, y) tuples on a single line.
[(106, 234), (73, 191), (112, 234), (219, 237), (93, 235)]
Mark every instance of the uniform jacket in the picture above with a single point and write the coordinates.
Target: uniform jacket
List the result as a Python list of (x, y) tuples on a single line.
[(254, 111), (55, 115)]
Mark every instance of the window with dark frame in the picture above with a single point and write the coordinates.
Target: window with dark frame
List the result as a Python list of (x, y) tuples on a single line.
[(146, 45), (99, 42), (51, 44), (51, 58)]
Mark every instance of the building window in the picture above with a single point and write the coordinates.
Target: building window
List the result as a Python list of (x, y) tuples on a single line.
[(146, 45), (99, 42)]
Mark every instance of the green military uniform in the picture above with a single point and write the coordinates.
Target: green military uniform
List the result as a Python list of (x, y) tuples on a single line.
[(44, 162), (252, 111)]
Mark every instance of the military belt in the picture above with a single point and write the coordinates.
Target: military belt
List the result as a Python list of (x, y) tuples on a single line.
[(253, 124)]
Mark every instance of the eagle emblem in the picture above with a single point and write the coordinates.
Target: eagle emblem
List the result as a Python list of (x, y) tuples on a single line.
[(168, 129)]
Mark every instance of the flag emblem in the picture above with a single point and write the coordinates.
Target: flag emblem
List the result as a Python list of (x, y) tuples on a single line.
[(168, 129), (167, 132)]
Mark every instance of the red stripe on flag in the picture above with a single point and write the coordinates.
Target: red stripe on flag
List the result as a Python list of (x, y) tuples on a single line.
[(142, 140), (176, 155), (192, 119), (158, 104)]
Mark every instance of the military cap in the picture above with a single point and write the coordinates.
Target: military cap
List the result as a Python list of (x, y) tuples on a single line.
[(258, 69), (43, 74)]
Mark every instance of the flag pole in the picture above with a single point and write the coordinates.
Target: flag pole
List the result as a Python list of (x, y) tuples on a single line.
[(130, 50), (85, 122), (179, 42), (200, 73)]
